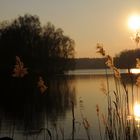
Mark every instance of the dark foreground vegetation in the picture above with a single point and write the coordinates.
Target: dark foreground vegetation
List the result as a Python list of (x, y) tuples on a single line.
[(28, 52), (31, 55)]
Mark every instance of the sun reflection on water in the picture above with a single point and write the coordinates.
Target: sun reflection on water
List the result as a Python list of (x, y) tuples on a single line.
[(137, 111), (135, 115), (135, 71)]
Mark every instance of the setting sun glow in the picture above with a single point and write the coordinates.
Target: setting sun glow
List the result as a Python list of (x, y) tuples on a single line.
[(134, 22)]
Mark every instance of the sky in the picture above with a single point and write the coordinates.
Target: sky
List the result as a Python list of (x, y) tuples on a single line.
[(87, 22)]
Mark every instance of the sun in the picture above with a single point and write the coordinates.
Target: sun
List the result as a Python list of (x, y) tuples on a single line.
[(134, 22)]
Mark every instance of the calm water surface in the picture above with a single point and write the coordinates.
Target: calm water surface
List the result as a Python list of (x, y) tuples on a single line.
[(40, 116)]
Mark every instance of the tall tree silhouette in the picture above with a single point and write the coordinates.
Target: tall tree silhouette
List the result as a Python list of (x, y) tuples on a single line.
[(42, 49), (57, 48)]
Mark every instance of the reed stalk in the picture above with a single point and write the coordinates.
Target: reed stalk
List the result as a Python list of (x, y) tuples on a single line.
[(99, 124), (62, 132), (13, 130), (73, 121)]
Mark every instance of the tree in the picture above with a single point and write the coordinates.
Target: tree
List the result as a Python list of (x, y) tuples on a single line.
[(19, 38), (58, 47), (42, 49), (127, 58)]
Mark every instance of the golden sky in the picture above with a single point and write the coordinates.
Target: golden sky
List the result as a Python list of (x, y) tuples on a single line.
[(88, 22)]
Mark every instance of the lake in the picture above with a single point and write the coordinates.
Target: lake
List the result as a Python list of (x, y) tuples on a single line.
[(50, 116)]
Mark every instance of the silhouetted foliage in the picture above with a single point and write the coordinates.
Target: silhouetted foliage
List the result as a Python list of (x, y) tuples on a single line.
[(127, 58), (57, 49), (27, 51), (42, 49)]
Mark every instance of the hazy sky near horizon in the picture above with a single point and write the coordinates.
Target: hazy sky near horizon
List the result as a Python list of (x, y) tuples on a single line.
[(87, 22)]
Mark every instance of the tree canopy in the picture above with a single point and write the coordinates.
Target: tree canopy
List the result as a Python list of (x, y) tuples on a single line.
[(127, 58), (41, 48)]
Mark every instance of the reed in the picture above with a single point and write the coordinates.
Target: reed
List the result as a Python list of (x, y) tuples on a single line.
[(85, 122), (62, 132), (73, 121), (120, 123), (98, 115)]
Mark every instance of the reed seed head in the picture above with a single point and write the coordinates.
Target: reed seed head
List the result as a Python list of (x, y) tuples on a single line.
[(19, 69), (100, 49), (41, 85)]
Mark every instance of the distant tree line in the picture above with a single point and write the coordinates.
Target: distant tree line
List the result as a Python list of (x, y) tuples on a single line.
[(89, 63), (42, 48), (125, 59)]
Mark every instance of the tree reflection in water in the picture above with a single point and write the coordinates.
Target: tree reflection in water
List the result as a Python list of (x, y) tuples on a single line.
[(30, 111)]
